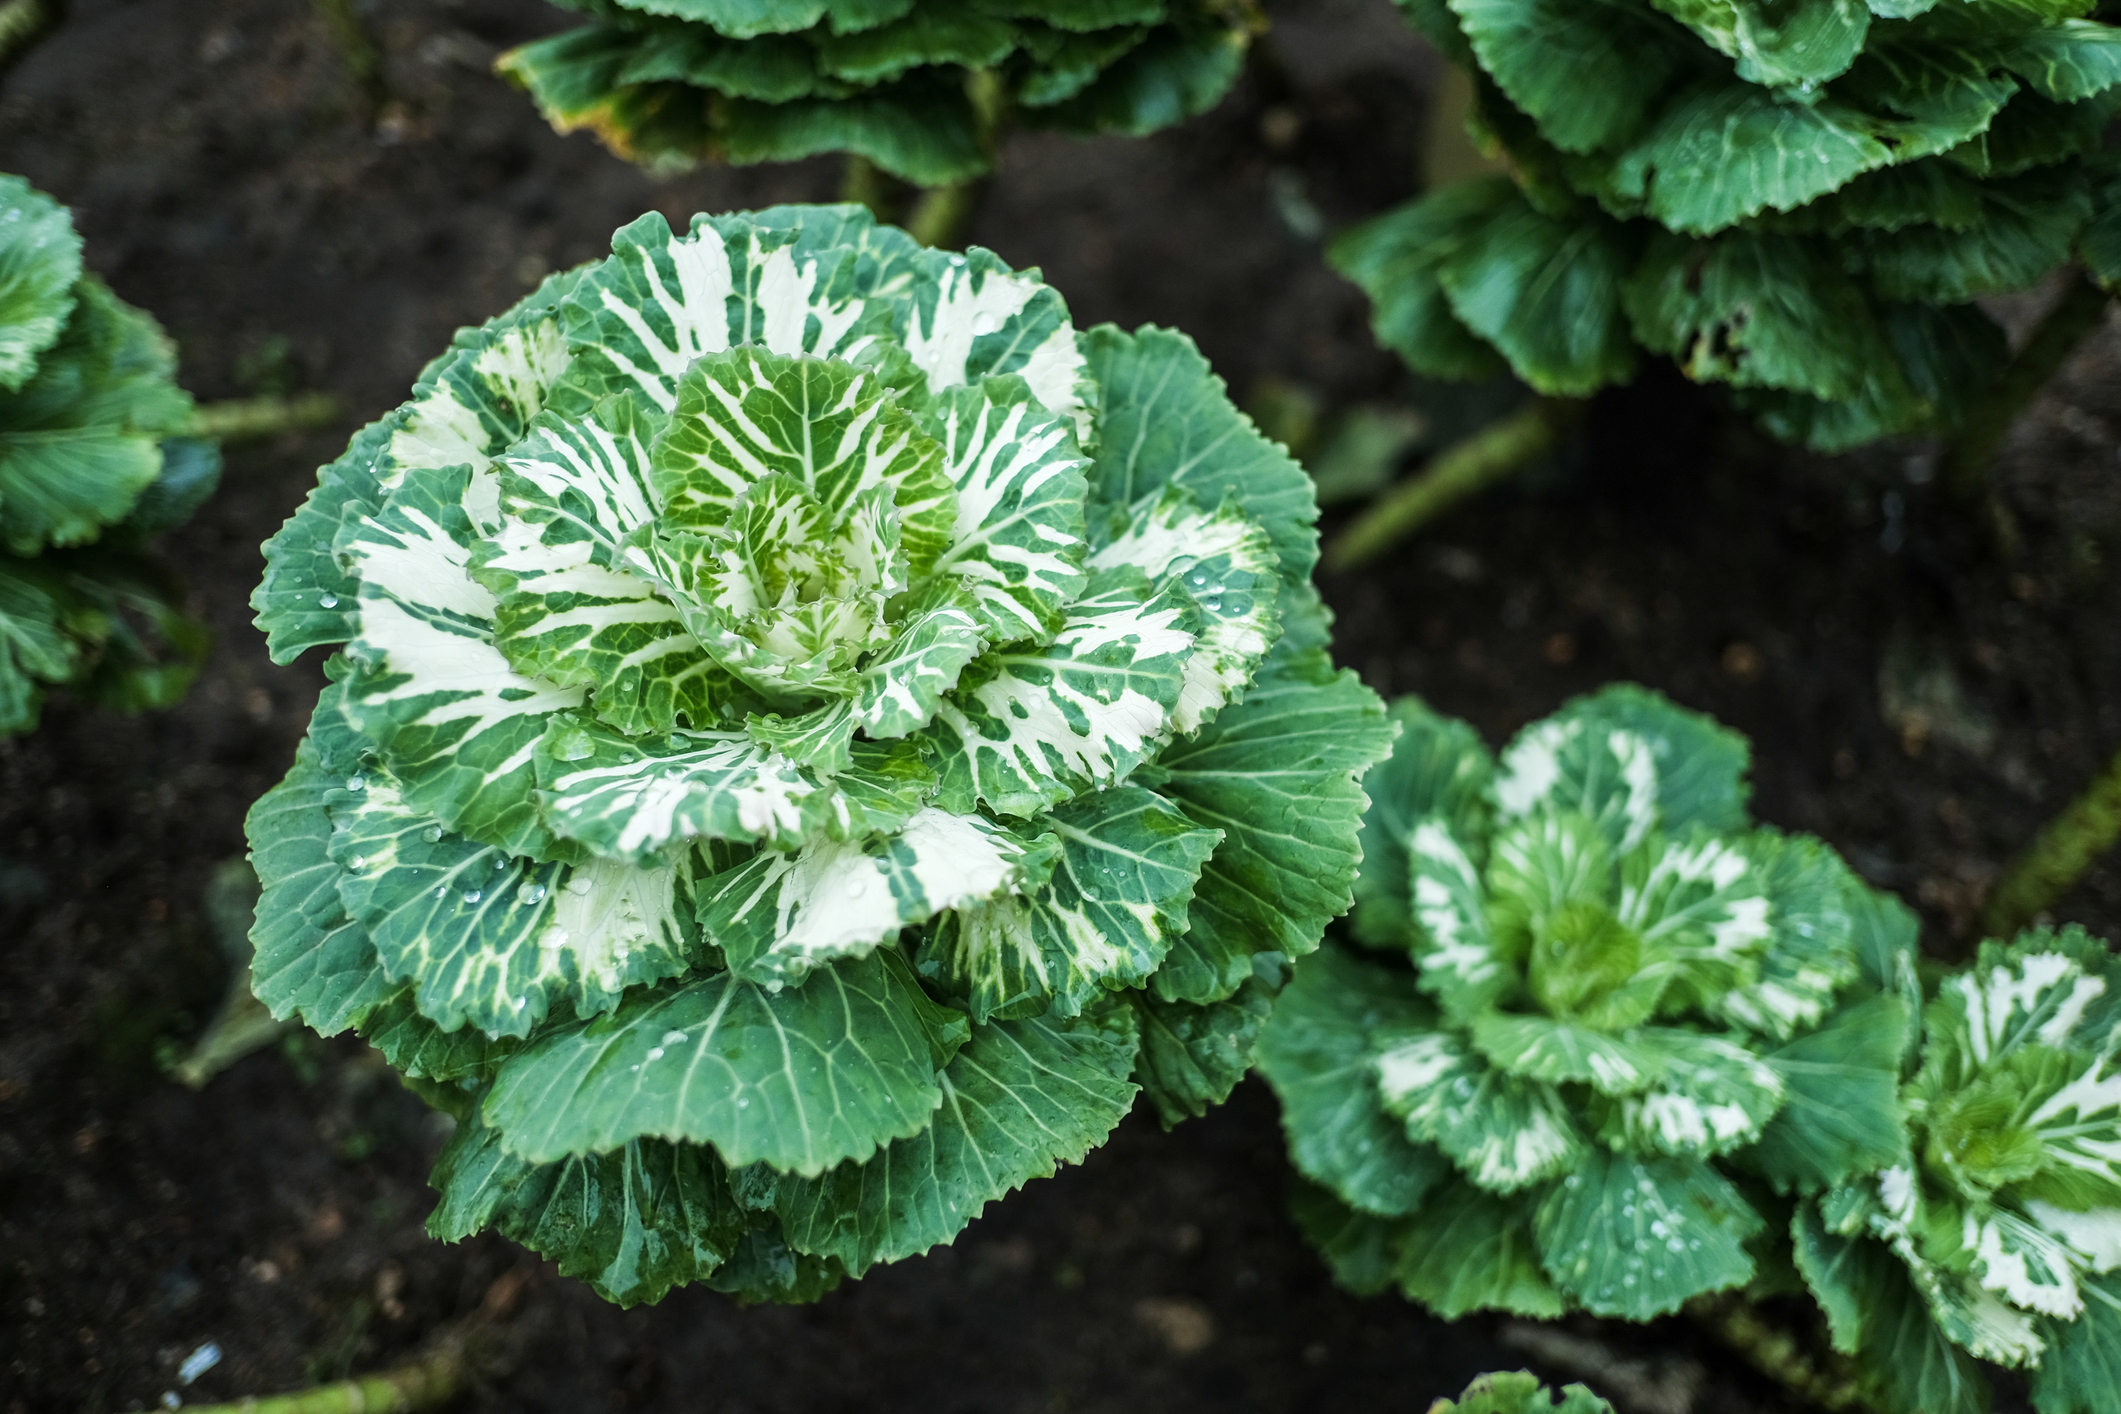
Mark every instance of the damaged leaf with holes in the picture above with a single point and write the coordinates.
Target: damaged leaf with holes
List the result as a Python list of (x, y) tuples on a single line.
[(811, 736), (1801, 201), (917, 87), (1593, 1025), (92, 464)]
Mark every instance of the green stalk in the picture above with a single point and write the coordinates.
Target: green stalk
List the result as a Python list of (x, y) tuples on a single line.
[(940, 217), (1777, 1353), (2057, 857), (428, 1382), (252, 419), (1492, 454), (1973, 447), (863, 183)]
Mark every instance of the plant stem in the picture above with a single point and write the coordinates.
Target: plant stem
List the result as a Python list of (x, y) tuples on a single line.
[(250, 419), (939, 218), (1973, 448), (1488, 456), (1776, 1353), (428, 1382), (2057, 857), (865, 184)]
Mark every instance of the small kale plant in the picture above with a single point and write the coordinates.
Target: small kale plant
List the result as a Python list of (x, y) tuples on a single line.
[(913, 86), (814, 734), (1998, 1232), (1800, 200), (1612, 1025), (1520, 1393), (92, 463)]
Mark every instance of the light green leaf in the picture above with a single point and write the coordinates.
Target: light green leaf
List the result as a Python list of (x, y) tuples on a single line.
[(1544, 1049), (40, 258), (1117, 898), (1841, 1114), (633, 1223), (1031, 727), (1439, 769), (489, 938), (801, 1079), (1756, 311), (1720, 152), (1193, 1054), (1167, 418), (453, 720), (1278, 774), (1018, 547), (1504, 1133), (1588, 75), (1315, 1052), (1801, 44), (821, 740), (1810, 955), (631, 798), (1467, 1250), (1709, 1096), (2067, 61), (1636, 1238), (1021, 1098), (1700, 764), (1574, 762), (778, 915)]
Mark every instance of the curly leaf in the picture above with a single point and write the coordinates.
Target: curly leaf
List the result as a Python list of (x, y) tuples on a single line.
[(1504, 1133), (1635, 1238), (40, 258)]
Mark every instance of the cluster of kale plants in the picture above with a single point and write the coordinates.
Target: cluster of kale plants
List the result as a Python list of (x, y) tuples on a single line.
[(814, 735), (915, 86), (1800, 200), (92, 464), (1617, 1049)]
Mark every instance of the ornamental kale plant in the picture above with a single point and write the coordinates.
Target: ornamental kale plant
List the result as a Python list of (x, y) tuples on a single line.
[(1631, 1021), (1520, 1393), (1998, 1231), (1800, 200), (742, 81), (91, 465), (814, 733)]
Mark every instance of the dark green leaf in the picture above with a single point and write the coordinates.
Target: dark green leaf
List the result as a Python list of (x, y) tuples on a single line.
[(1193, 1054)]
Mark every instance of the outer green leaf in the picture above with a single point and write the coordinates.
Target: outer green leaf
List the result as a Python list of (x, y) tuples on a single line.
[(777, 916), (1439, 768), (1180, 70), (490, 938), (2029, 226), (1117, 898), (1394, 259), (765, 1268), (2068, 61), (1316, 1051), (1520, 1393), (40, 258), (2082, 1367), (964, 318), (1031, 727), (1359, 1248), (1505, 1134), (1587, 74), (632, 1223), (1467, 1250), (2034, 132), (1021, 1098), (919, 129), (901, 686), (1907, 1360), (307, 598), (1842, 1112), (928, 34), (801, 1079), (1802, 44), (1193, 1055), (1941, 92), (1700, 764), (1632, 1238), (1277, 774), (420, 1050), (1167, 418)]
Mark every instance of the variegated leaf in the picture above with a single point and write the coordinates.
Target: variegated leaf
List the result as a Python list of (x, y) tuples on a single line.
[(1699, 899), (1118, 894), (454, 721), (1018, 546), (820, 740), (967, 316), (1028, 729), (903, 683), (2037, 991), (1439, 771), (1228, 567), (1461, 965), (778, 915), (1564, 763), (632, 798), (1811, 953), (1555, 1051), (1707, 1096), (801, 1079), (1636, 1238), (2028, 1266), (490, 938), (1505, 1134)]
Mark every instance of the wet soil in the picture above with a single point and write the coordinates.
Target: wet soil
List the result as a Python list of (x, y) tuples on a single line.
[(1921, 691)]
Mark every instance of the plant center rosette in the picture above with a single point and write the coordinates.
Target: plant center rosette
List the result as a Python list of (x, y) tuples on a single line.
[(1631, 1021), (814, 734)]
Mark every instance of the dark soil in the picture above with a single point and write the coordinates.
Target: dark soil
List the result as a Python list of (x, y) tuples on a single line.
[(1920, 690)]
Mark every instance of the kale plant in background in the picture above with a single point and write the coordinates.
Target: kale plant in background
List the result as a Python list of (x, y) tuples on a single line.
[(1631, 1021), (1801, 200), (814, 734), (887, 80), (91, 465), (1520, 1393), (1999, 1231)]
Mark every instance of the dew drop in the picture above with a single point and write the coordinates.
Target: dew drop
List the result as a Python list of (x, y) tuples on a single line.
[(329, 601), (432, 834), (986, 322), (636, 1067), (357, 864), (956, 259), (744, 1103), (472, 895), (654, 1054), (531, 893), (673, 1038), (553, 938), (440, 890), (357, 783)]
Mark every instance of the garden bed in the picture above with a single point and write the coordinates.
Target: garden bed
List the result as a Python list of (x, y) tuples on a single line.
[(1921, 691)]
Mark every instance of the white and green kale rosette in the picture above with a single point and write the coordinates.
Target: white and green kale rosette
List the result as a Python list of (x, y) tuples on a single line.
[(1621, 1026), (814, 735), (1998, 1231)]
